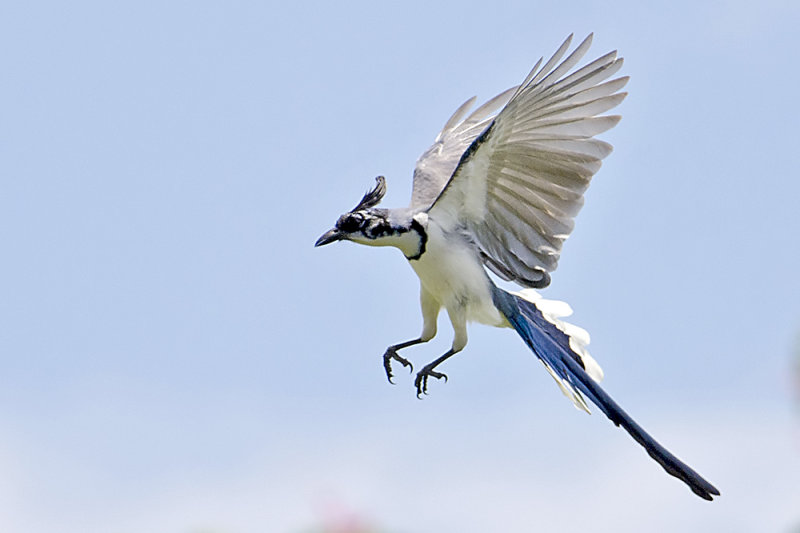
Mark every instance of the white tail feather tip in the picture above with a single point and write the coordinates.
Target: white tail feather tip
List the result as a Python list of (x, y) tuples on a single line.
[(553, 310)]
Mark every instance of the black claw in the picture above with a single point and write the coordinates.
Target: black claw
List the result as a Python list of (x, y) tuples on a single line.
[(387, 363), (419, 386), (422, 380), (422, 390), (388, 368)]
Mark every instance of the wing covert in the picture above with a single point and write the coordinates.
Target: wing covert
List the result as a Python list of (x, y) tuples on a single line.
[(435, 166), (519, 184)]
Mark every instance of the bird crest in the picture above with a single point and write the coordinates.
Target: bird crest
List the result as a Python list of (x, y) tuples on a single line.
[(374, 196)]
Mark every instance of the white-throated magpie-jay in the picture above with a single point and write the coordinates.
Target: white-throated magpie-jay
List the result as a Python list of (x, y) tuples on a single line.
[(500, 190)]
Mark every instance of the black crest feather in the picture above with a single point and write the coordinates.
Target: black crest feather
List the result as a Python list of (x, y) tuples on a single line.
[(374, 196)]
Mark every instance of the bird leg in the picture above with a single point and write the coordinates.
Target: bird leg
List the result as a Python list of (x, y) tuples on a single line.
[(428, 371), (391, 353)]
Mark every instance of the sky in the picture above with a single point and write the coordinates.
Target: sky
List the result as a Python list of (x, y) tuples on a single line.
[(177, 357)]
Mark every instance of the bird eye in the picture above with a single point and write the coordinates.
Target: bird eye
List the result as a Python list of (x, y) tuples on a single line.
[(349, 222)]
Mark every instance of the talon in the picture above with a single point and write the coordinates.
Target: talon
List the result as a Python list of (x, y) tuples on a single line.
[(387, 366), (422, 380), (418, 383), (387, 363)]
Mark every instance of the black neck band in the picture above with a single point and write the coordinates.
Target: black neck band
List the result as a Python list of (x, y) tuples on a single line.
[(423, 239)]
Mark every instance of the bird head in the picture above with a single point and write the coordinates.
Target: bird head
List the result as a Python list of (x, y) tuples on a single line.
[(363, 223)]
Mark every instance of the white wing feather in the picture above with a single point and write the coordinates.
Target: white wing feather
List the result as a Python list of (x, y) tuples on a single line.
[(437, 164), (519, 183)]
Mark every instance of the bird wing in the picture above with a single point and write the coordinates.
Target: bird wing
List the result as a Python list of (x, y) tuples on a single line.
[(436, 165), (519, 184)]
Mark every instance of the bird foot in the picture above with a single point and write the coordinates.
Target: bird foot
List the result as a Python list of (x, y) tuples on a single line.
[(422, 379), (390, 354)]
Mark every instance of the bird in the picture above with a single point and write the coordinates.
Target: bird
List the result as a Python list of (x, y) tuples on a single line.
[(498, 192)]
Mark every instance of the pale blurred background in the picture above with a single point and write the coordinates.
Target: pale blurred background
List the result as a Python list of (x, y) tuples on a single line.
[(175, 356)]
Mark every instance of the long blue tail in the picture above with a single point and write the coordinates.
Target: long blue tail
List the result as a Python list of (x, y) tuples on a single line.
[(552, 347)]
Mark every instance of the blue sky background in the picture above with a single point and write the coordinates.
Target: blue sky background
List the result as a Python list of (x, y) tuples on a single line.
[(177, 357)]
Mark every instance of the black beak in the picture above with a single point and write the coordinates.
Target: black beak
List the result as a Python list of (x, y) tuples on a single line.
[(329, 237)]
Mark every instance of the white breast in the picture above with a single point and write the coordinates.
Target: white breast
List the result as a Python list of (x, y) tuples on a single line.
[(451, 270)]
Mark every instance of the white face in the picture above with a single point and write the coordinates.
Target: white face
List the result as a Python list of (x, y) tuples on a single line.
[(371, 227), (365, 227)]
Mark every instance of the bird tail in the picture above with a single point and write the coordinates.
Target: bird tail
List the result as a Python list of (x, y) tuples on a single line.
[(561, 348)]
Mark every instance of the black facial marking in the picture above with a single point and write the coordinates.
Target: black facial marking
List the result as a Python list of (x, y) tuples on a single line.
[(374, 224), (378, 228), (350, 222)]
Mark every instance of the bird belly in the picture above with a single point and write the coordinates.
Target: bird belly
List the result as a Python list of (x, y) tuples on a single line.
[(452, 272)]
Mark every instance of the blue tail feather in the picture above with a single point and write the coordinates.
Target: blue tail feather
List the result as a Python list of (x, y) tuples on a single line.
[(552, 347)]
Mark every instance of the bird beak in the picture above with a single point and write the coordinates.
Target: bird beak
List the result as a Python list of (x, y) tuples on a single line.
[(329, 237)]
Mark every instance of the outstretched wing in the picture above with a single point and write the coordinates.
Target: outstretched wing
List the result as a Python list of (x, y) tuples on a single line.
[(520, 183), (436, 165)]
